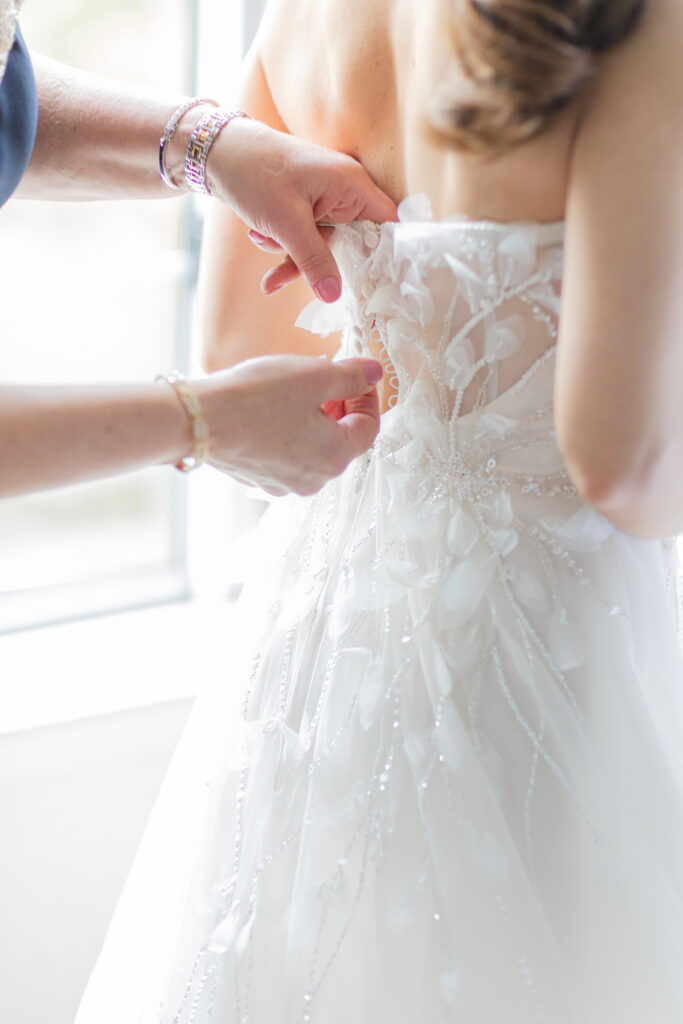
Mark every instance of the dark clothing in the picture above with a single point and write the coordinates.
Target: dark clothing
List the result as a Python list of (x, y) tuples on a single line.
[(18, 117)]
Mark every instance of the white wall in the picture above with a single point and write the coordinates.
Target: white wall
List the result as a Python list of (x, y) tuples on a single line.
[(74, 799)]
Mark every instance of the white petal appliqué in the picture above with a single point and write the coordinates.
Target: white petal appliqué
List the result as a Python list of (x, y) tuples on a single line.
[(370, 694), (465, 587), (323, 318), (504, 338), (463, 533), (436, 667), (529, 589), (498, 509), (493, 424), (451, 737), (586, 530), (505, 540), (415, 208), (565, 642)]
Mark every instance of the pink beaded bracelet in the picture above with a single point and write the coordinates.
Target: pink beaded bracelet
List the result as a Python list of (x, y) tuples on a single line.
[(201, 141), (169, 132)]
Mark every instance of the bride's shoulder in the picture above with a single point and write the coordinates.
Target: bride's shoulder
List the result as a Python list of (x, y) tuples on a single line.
[(327, 62), (312, 26), (340, 35)]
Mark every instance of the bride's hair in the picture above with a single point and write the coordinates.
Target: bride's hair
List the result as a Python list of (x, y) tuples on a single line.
[(519, 61)]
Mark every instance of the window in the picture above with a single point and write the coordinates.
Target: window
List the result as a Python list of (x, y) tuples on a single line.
[(103, 292)]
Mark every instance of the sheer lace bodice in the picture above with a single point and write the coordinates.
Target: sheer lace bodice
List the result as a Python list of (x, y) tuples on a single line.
[(463, 308)]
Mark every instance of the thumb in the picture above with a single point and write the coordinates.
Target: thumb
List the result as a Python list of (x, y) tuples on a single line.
[(301, 238), (350, 378), (360, 425)]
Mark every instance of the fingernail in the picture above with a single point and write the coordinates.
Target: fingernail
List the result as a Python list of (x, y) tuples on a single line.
[(269, 289), (328, 290), (257, 238), (373, 371)]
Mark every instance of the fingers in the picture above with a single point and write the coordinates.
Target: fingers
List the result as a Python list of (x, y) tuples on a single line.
[(287, 271), (365, 202), (264, 243), (283, 274), (310, 253), (360, 425), (356, 412), (378, 207)]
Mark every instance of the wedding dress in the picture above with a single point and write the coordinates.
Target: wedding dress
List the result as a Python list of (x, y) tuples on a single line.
[(443, 780)]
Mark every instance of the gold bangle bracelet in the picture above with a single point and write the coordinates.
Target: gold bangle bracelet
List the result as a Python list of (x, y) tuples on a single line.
[(200, 431)]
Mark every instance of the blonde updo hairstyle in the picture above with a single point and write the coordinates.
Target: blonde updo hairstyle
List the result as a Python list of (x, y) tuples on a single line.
[(520, 61)]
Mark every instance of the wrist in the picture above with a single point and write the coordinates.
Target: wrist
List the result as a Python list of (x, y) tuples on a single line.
[(228, 416), (175, 151), (188, 137), (188, 400), (237, 157), (178, 439), (202, 142)]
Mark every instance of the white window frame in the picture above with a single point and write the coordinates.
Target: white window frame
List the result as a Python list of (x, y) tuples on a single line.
[(85, 649)]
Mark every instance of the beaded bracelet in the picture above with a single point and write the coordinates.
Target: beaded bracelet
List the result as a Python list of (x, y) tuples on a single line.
[(169, 132), (201, 141), (200, 431)]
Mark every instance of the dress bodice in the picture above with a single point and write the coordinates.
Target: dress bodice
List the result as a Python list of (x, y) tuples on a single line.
[(464, 314), (461, 307)]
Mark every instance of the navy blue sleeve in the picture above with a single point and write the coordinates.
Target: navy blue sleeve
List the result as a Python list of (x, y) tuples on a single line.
[(18, 118)]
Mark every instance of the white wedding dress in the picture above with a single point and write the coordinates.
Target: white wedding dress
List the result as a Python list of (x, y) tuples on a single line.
[(443, 780)]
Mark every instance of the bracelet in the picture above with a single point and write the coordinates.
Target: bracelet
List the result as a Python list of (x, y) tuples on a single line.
[(169, 132), (200, 431), (201, 141)]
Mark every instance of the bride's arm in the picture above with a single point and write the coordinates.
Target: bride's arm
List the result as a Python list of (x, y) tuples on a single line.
[(619, 386), (238, 319)]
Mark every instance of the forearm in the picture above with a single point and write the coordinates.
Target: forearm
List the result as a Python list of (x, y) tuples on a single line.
[(51, 436), (98, 138)]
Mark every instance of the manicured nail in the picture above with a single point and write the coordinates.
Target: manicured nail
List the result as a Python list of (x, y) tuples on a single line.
[(373, 371), (328, 290), (267, 286), (257, 238)]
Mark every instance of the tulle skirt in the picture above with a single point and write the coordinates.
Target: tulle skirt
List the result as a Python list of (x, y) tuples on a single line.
[(442, 781)]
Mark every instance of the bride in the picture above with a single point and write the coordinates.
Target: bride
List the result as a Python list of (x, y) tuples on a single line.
[(443, 780)]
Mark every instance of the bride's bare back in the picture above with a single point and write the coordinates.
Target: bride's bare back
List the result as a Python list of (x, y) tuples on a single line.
[(359, 75)]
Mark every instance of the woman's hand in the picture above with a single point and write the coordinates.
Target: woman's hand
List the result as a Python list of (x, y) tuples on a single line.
[(99, 139), (290, 423), (270, 424), (282, 188)]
